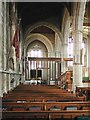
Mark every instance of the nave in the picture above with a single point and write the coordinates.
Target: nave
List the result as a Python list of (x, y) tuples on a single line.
[(44, 60)]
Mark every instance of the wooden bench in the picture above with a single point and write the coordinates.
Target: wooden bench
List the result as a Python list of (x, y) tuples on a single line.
[(45, 114), (30, 93), (30, 101), (85, 91), (42, 99), (46, 105)]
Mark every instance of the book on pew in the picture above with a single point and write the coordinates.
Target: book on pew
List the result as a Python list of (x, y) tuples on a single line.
[(83, 118), (71, 108), (34, 108)]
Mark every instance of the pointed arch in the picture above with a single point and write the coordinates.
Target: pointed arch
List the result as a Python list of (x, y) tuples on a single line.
[(41, 38), (54, 28)]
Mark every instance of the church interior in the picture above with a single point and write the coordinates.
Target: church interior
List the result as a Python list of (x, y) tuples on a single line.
[(45, 60)]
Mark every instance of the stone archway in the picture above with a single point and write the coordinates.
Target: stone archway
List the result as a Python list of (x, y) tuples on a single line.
[(55, 29), (41, 38)]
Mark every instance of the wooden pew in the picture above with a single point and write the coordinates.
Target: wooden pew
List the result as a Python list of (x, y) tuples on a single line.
[(42, 99), (30, 101), (85, 91), (41, 93), (46, 105), (45, 114)]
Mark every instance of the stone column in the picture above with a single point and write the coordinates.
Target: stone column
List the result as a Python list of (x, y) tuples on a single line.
[(77, 30), (54, 70), (13, 54), (57, 45), (8, 46), (56, 67), (5, 50), (65, 54), (58, 72), (51, 70), (88, 55), (9, 80), (13, 30), (57, 55), (1, 49), (77, 63)]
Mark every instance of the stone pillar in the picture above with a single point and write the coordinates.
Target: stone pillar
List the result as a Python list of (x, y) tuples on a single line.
[(57, 45), (77, 30), (13, 54), (57, 55), (77, 63), (56, 67), (5, 51), (88, 56), (51, 70), (13, 30), (58, 71), (8, 46), (65, 54), (9, 80), (54, 70), (48, 72), (1, 49)]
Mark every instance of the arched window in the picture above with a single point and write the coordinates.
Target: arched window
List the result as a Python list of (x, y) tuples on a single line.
[(35, 53), (70, 50)]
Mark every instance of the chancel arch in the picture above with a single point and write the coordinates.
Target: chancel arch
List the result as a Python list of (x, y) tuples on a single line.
[(41, 38)]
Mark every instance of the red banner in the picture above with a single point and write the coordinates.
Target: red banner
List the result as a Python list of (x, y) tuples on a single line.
[(16, 42)]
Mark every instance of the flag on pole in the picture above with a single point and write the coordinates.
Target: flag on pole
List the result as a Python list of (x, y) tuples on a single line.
[(16, 42)]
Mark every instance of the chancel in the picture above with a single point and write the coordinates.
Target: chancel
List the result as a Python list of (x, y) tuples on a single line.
[(44, 60)]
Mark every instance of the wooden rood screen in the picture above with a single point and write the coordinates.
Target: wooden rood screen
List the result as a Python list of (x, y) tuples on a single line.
[(43, 69)]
